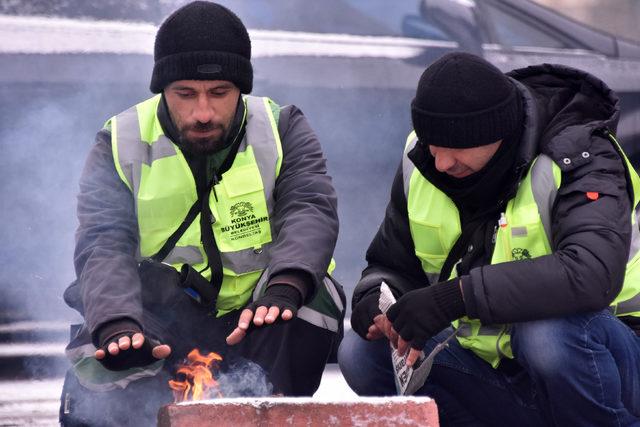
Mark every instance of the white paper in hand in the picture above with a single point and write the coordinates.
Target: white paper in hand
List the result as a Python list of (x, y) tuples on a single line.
[(402, 372), (409, 378)]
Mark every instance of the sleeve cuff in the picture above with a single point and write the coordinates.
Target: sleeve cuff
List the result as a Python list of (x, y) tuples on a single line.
[(298, 279), (116, 327), (467, 296), (448, 296)]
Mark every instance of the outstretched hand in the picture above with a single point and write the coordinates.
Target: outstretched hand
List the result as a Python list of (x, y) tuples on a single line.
[(279, 302), (125, 352), (262, 315)]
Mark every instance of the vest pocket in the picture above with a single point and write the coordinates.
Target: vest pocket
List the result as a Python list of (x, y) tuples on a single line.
[(429, 245), (242, 215), (158, 217), (242, 180)]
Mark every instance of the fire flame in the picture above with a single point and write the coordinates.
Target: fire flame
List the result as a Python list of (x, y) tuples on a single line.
[(198, 382)]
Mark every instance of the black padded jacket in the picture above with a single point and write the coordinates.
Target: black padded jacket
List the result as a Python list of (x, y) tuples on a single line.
[(566, 112)]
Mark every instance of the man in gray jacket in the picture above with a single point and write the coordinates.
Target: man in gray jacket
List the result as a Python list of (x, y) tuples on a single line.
[(206, 220), (510, 219)]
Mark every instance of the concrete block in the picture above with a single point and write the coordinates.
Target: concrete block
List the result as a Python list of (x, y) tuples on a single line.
[(284, 411)]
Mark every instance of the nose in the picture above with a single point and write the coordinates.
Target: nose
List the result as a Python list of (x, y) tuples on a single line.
[(202, 111), (443, 160)]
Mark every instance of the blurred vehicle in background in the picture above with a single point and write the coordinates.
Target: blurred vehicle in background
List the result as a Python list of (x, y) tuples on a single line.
[(351, 65)]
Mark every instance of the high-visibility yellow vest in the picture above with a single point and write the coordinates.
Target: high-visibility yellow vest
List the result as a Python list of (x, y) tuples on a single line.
[(164, 189), (524, 233), (242, 203)]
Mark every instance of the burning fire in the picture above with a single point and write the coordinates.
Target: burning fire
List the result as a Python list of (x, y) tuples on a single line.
[(198, 383)]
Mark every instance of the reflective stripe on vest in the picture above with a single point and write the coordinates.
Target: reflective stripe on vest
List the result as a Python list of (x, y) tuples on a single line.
[(164, 189), (526, 233), (627, 303)]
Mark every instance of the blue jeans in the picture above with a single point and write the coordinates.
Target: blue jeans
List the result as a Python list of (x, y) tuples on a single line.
[(582, 370)]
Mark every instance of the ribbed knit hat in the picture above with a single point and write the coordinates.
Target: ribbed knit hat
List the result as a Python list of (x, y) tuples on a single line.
[(462, 101), (202, 41)]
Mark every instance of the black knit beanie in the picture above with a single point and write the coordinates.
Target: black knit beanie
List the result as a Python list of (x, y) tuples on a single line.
[(462, 101), (202, 41)]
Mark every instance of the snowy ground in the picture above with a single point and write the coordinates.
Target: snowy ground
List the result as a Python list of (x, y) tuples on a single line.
[(36, 403), (30, 402), (333, 385)]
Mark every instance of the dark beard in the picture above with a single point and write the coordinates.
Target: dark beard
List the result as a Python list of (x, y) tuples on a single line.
[(202, 146)]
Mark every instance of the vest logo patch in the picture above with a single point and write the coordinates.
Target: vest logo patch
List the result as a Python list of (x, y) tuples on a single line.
[(519, 254), (244, 222), (241, 209)]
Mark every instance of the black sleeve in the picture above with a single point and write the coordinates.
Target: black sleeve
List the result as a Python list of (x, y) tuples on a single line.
[(106, 242), (590, 249), (305, 217), (391, 257)]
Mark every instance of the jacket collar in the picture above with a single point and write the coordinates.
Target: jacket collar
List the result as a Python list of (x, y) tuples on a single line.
[(567, 106)]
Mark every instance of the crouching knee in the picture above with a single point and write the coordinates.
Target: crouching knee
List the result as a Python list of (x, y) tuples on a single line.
[(366, 365), (547, 347)]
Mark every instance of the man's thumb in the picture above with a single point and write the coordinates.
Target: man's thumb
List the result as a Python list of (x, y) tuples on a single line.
[(161, 351)]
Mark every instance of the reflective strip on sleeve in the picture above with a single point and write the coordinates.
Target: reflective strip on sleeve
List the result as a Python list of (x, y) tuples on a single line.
[(93, 376), (544, 185)]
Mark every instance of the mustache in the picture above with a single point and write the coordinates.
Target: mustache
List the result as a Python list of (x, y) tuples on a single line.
[(202, 126)]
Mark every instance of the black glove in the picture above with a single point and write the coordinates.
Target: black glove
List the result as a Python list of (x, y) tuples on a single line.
[(420, 314), (131, 358), (283, 296), (364, 312)]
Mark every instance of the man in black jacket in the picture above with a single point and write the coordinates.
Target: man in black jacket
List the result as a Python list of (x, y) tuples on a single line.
[(206, 220), (510, 216)]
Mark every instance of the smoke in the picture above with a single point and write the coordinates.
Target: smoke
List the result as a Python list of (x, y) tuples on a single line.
[(34, 185), (244, 379), (47, 127), (46, 131)]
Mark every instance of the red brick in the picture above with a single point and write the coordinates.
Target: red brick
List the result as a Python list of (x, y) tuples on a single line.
[(282, 411)]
